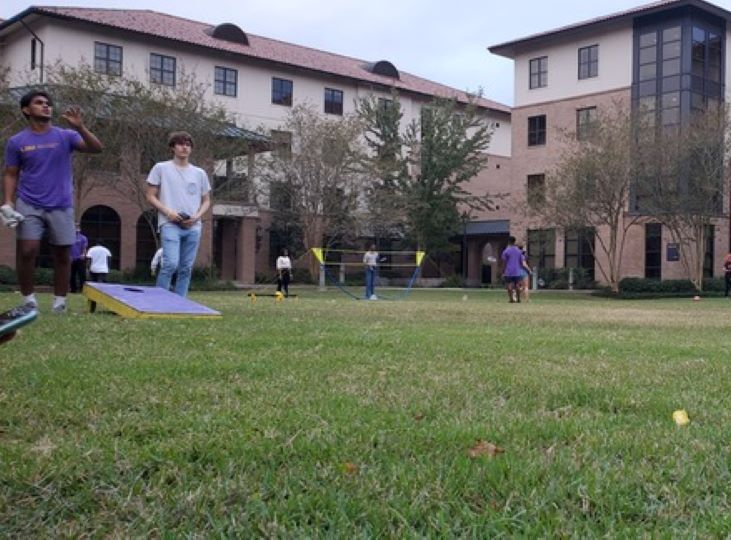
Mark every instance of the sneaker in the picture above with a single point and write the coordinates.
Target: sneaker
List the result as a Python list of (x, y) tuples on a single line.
[(31, 305), (60, 309), (373, 297)]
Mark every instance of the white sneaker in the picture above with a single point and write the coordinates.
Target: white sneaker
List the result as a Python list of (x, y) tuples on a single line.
[(30, 304), (373, 297), (59, 309)]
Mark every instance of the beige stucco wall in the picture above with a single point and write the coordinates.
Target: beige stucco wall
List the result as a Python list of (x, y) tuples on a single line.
[(615, 67)]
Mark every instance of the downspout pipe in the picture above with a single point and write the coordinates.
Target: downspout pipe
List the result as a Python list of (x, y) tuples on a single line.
[(43, 49)]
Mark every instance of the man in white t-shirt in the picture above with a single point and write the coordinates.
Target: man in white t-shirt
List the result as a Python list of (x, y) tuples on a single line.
[(180, 192), (370, 261), (98, 260), (98, 257)]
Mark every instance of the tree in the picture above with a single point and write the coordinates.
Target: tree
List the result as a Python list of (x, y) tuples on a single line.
[(683, 180), (590, 188), (315, 182), (132, 119), (420, 172)]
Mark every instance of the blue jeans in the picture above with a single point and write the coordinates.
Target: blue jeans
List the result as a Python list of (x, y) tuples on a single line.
[(179, 248), (370, 278)]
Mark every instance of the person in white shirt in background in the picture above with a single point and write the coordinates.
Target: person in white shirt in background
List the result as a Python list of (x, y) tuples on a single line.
[(98, 258), (284, 272), (155, 262), (370, 260)]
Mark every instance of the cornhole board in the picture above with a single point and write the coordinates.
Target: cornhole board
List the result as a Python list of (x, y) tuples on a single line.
[(137, 302)]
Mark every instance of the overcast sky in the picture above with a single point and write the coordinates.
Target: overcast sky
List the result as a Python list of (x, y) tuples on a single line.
[(445, 41)]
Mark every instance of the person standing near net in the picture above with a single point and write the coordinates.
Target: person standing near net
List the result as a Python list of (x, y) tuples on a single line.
[(284, 272), (38, 170), (180, 192), (370, 260)]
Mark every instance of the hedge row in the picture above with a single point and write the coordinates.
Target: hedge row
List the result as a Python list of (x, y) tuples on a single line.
[(201, 278)]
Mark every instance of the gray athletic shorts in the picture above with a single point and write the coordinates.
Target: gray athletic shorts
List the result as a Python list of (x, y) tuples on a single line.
[(59, 223)]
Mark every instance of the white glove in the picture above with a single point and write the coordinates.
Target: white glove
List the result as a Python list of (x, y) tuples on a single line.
[(10, 217)]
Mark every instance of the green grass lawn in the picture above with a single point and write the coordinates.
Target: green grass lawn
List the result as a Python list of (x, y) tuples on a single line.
[(325, 416)]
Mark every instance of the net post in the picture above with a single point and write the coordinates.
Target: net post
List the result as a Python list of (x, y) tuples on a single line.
[(321, 285)]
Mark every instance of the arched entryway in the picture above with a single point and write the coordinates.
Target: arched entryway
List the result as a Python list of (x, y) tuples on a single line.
[(102, 225)]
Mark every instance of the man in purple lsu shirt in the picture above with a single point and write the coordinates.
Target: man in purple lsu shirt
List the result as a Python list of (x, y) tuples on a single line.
[(513, 264), (38, 171)]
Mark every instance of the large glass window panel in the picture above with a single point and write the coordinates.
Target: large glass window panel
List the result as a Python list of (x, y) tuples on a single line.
[(671, 67), (648, 39), (671, 99), (648, 88), (671, 50), (648, 72), (670, 84), (671, 34), (648, 55), (699, 34)]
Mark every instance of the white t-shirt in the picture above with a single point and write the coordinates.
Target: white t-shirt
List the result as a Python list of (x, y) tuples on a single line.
[(284, 263), (370, 259), (99, 256), (156, 259), (180, 189)]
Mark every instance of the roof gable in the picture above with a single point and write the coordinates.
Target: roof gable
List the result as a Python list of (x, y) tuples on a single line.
[(198, 34)]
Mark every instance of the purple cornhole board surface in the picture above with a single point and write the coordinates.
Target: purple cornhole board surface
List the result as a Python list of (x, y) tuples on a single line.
[(151, 299)]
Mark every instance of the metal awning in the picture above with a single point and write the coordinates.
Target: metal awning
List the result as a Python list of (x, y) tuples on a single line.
[(478, 228)]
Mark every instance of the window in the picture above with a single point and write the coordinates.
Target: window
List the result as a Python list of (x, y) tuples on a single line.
[(542, 248), (539, 72), (670, 99), (536, 190), (585, 123), (333, 101), (536, 130), (282, 91), (162, 69), (589, 62), (107, 59), (653, 250), (385, 104), (225, 81), (579, 250)]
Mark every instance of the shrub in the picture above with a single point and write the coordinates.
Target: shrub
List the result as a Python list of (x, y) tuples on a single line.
[(558, 278), (8, 276), (454, 281)]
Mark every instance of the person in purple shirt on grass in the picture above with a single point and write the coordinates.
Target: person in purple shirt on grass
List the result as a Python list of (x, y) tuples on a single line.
[(512, 258), (39, 191)]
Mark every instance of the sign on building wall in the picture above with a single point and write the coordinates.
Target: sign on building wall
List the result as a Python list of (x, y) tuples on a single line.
[(673, 252)]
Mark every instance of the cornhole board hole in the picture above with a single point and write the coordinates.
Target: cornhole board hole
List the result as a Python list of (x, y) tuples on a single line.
[(139, 302)]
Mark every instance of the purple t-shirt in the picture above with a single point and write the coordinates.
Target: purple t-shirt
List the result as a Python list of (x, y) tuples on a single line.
[(513, 259), (79, 247), (44, 162)]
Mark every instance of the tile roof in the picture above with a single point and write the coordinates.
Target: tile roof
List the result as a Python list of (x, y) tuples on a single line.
[(196, 33), (510, 48)]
